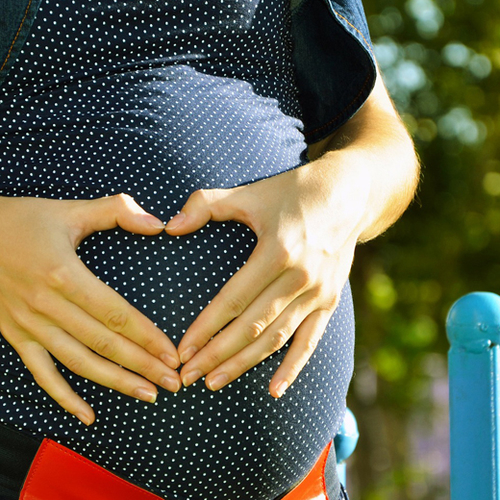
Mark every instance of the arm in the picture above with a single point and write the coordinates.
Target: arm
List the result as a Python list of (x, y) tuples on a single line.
[(375, 137), (308, 222)]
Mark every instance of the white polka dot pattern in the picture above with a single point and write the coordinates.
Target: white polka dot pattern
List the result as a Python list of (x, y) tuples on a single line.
[(158, 99)]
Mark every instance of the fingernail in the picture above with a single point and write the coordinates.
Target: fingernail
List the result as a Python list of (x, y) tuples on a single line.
[(282, 387), (175, 221), (83, 418), (170, 383), (145, 395), (218, 382), (191, 377), (188, 354), (153, 222), (170, 361)]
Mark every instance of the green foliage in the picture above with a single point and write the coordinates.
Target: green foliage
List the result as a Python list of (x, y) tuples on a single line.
[(440, 60)]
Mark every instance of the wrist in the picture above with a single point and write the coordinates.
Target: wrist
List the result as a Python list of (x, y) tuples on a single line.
[(343, 186)]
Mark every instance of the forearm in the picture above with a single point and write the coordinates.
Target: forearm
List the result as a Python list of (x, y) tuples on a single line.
[(372, 159)]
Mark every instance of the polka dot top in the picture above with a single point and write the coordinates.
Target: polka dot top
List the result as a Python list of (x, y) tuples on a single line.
[(157, 99)]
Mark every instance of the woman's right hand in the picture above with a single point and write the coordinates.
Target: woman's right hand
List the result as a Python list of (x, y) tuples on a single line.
[(52, 304)]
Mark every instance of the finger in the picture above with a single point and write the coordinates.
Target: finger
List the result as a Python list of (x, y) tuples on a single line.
[(273, 339), (210, 204), (112, 345), (80, 286), (112, 211), (247, 327), (304, 344), (42, 367), (231, 301), (83, 362)]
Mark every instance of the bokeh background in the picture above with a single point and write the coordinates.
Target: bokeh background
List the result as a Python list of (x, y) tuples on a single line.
[(441, 61)]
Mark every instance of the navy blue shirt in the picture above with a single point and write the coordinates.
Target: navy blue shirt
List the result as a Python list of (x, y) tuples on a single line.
[(158, 99)]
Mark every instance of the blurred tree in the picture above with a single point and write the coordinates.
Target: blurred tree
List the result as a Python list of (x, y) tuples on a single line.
[(440, 61)]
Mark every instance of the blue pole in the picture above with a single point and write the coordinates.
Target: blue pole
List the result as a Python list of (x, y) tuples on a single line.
[(473, 329), (345, 442)]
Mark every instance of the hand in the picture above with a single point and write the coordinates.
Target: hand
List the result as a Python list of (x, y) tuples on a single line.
[(51, 303), (306, 228), (307, 223)]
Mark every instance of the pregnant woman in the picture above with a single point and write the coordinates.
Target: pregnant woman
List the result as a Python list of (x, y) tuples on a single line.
[(261, 132)]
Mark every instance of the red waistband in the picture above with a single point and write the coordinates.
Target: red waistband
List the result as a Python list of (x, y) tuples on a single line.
[(58, 473)]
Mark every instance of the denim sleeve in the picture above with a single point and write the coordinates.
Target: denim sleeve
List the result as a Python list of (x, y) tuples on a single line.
[(334, 62), (16, 18)]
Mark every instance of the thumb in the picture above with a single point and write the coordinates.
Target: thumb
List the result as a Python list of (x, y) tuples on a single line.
[(118, 210), (205, 205)]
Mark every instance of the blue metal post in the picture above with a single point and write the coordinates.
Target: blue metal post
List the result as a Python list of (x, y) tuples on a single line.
[(473, 329), (345, 442)]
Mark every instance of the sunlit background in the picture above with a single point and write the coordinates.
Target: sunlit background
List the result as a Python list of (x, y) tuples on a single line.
[(440, 60)]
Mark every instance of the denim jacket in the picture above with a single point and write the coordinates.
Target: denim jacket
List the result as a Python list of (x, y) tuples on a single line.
[(334, 63)]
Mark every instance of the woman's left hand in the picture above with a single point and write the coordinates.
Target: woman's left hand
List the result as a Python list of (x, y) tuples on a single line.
[(306, 223)]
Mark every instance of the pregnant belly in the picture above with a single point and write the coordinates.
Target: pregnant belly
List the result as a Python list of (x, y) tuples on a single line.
[(158, 137)]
